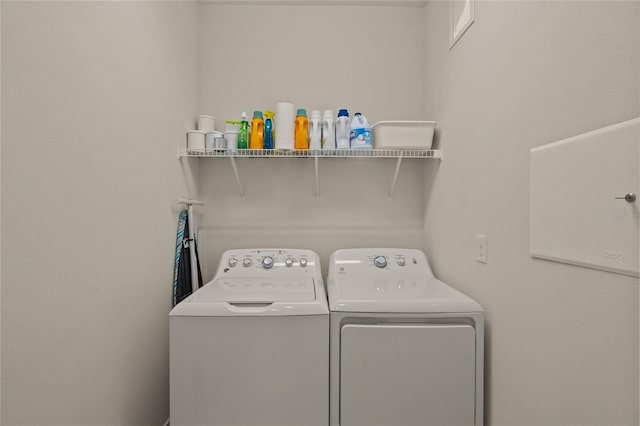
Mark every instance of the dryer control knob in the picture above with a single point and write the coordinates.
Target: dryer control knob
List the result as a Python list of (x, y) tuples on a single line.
[(246, 262), (267, 262), (401, 261), (233, 262), (303, 262), (380, 261), (289, 262)]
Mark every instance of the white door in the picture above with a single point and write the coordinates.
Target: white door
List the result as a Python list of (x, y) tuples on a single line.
[(407, 375)]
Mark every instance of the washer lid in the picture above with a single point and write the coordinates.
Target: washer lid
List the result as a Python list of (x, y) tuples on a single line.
[(407, 294), (257, 290), (251, 296)]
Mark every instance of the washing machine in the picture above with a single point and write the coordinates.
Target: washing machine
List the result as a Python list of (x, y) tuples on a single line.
[(251, 347), (406, 349)]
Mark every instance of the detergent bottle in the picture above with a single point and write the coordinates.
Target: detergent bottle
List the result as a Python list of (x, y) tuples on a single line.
[(243, 133), (268, 129), (301, 137), (315, 131), (360, 132), (343, 129), (257, 131), (328, 131)]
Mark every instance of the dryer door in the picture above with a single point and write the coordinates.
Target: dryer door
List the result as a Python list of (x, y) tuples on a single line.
[(407, 375)]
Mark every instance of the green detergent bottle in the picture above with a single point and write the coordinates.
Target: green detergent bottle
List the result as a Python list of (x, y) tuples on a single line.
[(243, 133)]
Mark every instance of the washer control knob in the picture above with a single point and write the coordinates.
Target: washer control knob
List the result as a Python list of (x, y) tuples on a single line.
[(303, 262), (246, 262), (233, 262), (289, 262), (267, 262), (380, 261), (401, 261)]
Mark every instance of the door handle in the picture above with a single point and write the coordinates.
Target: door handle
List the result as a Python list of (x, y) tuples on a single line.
[(629, 198)]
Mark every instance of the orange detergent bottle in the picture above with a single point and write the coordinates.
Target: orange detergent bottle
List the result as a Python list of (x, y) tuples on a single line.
[(256, 140), (301, 130)]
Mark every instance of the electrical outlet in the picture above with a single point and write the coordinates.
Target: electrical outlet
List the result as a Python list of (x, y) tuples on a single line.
[(481, 250)]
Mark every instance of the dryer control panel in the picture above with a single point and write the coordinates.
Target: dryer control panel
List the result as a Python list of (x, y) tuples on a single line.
[(405, 262), (259, 262), (390, 280)]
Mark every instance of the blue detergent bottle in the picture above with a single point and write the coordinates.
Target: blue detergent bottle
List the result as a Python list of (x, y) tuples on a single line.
[(268, 129)]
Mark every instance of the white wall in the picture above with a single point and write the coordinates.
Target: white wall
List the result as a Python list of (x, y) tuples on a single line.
[(365, 58), (95, 98), (562, 345), (0, 221), (111, 86)]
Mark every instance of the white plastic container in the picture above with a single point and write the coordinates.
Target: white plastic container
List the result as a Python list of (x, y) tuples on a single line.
[(360, 137), (232, 140), (343, 129), (206, 123), (231, 130), (403, 134), (209, 140), (328, 131), (315, 131), (195, 140)]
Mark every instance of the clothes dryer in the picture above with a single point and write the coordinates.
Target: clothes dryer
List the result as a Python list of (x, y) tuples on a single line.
[(251, 347), (406, 349)]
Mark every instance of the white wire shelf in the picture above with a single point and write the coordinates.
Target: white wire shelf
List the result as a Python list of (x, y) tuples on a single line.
[(340, 153), (398, 154)]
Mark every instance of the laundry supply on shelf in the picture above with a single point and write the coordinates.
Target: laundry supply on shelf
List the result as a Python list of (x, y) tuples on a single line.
[(360, 137), (343, 129), (257, 131), (301, 130)]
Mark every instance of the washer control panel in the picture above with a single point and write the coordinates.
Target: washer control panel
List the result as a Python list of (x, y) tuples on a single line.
[(379, 261), (255, 262)]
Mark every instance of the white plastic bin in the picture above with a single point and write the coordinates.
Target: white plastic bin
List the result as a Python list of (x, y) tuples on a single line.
[(403, 134)]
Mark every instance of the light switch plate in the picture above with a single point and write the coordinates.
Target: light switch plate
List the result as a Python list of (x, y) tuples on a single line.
[(481, 248)]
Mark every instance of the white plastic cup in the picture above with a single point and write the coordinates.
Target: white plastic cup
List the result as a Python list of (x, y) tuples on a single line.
[(206, 123), (232, 140), (231, 129), (232, 126), (220, 144), (209, 140), (195, 140)]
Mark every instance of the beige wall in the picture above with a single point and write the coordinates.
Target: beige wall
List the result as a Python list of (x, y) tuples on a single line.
[(112, 87), (562, 340), (365, 58), (95, 98)]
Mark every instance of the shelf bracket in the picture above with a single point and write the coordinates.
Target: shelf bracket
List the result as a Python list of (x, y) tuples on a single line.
[(395, 177), (235, 172), (315, 159), (181, 152)]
